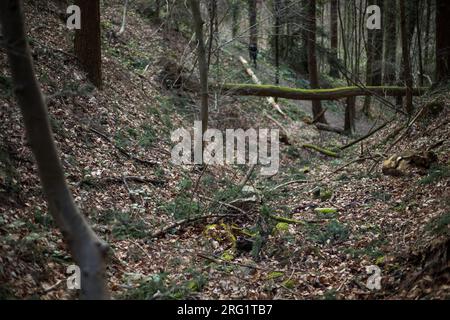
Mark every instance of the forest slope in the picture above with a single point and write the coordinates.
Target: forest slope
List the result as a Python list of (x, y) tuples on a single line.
[(115, 147)]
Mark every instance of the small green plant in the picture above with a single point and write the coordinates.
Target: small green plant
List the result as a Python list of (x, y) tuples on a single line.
[(159, 286), (372, 250), (182, 208), (440, 226), (121, 140), (148, 138), (185, 184), (228, 194), (436, 174), (123, 225), (147, 288), (334, 232)]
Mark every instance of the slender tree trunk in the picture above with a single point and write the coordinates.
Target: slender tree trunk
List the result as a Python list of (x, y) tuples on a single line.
[(212, 9), (277, 41), (253, 22), (124, 18), (88, 43), (312, 61), (419, 44), (442, 40), (334, 71), (406, 59), (158, 8), (350, 110), (374, 60), (427, 32), (202, 61), (87, 249), (235, 15), (390, 51)]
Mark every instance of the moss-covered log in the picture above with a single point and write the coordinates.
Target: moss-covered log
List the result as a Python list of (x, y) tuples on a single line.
[(321, 150), (315, 94)]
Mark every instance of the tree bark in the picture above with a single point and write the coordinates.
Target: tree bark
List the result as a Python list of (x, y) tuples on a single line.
[(124, 18), (88, 43), (277, 13), (253, 22), (312, 60), (390, 43), (334, 71), (442, 40), (374, 60), (350, 110), (87, 249), (202, 61), (406, 59)]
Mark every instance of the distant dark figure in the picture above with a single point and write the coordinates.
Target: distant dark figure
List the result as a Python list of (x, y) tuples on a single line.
[(253, 53)]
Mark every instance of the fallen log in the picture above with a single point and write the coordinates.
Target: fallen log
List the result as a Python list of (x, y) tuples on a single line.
[(326, 127), (321, 150), (255, 79), (258, 90)]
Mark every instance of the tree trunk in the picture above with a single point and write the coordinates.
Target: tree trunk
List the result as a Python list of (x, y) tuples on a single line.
[(235, 15), (334, 71), (277, 40), (124, 18), (406, 59), (87, 249), (390, 52), (350, 110), (88, 43), (202, 61), (374, 60), (442, 40), (253, 22), (312, 60)]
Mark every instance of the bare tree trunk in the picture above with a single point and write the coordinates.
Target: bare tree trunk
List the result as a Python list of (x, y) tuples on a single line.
[(213, 28), (350, 110), (253, 22), (406, 59), (334, 71), (442, 40), (312, 61), (374, 61), (124, 18), (235, 15), (158, 8), (277, 41), (202, 61), (419, 44), (87, 249), (88, 43), (390, 52)]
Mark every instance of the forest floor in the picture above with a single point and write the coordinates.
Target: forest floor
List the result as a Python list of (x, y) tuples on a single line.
[(297, 251)]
